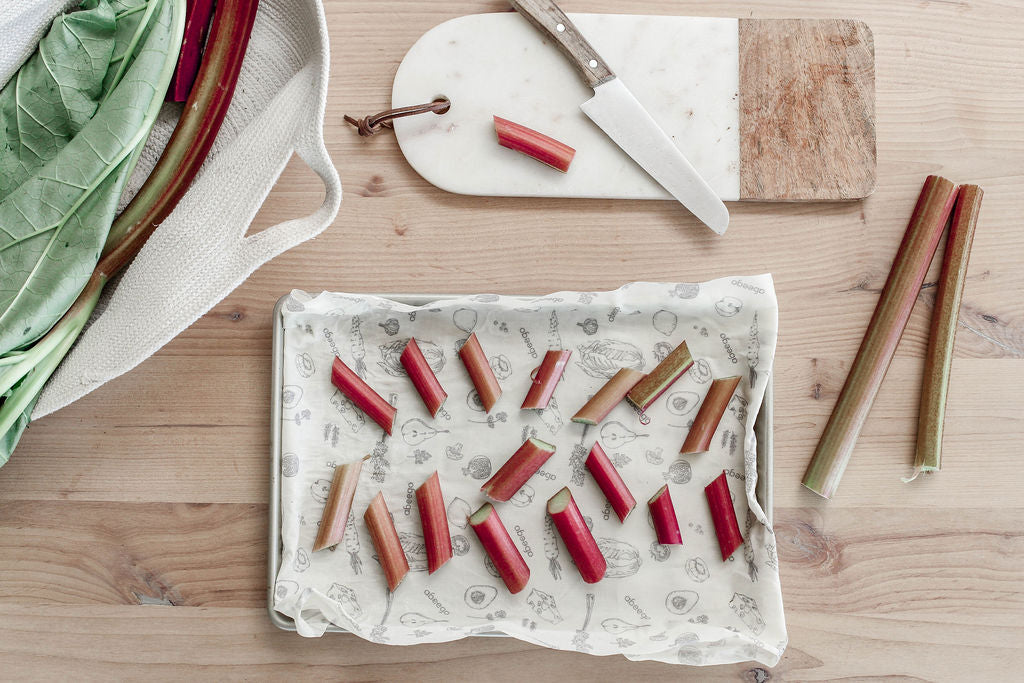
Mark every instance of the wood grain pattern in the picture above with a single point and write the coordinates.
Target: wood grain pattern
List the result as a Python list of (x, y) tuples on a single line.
[(888, 580), (546, 16), (807, 109)]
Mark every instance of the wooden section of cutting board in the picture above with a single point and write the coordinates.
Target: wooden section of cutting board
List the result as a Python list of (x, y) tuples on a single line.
[(765, 110), (807, 123)]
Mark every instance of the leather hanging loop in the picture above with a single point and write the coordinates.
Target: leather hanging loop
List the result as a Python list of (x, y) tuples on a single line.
[(371, 125)]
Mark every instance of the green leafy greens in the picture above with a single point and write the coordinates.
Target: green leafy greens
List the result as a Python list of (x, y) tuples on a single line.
[(72, 124)]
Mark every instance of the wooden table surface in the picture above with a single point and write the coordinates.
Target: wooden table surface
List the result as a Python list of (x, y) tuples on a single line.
[(152, 491)]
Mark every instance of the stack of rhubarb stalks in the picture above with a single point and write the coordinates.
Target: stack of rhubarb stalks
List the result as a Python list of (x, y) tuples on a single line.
[(638, 389)]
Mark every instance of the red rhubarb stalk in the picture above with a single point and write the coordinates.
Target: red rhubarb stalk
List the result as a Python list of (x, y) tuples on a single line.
[(423, 378), (608, 396), (385, 540), (499, 547), (517, 470), (664, 515), (555, 154), (882, 336), (360, 393), (610, 482), (339, 503), (436, 536), (543, 386), (698, 439), (945, 319), (576, 536), (487, 387), (661, 378), (724, 516), (197, 19)]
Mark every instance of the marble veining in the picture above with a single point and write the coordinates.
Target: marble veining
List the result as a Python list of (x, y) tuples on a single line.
[(685, 70)]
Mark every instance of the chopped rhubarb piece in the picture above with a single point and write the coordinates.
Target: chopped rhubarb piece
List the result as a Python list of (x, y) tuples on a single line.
[(577, 537), (555, 154), (360, 393), (938, 360), (385, 540), (339, 503), (610, 482), (487, 387), (423, 378), (517, 470), (543, 386), (499, 547), (664, 515), (436, 536), (882, 336), (698, 439), (723, 515), (661, 378), (608, 396)]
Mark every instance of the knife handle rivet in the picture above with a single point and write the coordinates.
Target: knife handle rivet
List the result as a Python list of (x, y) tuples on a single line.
[(560, 28), (593, 63)]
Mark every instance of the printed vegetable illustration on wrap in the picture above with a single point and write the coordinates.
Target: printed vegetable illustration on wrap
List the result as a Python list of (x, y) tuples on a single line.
[(69, 217)]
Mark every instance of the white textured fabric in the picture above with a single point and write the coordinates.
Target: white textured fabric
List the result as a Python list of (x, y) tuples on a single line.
[(678, 604), (200, 253)]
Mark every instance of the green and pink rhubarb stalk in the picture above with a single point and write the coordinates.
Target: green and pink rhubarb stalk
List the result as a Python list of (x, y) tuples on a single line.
[(608, 396), (423, 377), (945, 320), (610, 482), (480, 372), (339, 504), (577, 537), (723, 515), (434, 518), (386, 542), (499, 547), (544, 149), (663, 514), (661, 378), (698, 439), (882, 337), (543, 385), (517, 470), (363, 395)]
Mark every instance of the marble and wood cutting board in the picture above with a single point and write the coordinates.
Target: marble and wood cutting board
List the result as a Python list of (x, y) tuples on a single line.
[(765, 109)]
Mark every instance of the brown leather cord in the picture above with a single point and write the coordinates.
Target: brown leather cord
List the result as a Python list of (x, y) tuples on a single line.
[(370, 125)]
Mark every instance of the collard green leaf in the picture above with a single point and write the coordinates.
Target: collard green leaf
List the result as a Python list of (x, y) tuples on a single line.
[(54, 224), (55, 93)]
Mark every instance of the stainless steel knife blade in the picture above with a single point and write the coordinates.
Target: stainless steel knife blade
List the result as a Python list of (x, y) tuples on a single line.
[(625, 120)]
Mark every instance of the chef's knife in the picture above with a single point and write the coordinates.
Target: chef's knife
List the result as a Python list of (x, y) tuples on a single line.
[(618, 113)]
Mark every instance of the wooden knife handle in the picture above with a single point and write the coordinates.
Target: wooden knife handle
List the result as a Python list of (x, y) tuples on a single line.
[(551, 20)]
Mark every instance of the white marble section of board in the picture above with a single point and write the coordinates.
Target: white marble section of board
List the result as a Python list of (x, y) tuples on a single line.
[(684, 70)]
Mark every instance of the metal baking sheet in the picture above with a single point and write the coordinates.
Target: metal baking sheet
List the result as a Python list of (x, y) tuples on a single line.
[(762, 429)]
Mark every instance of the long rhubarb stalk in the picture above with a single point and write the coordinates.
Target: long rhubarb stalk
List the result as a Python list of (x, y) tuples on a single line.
[(882, 336), (543, 386), (339, 503), (608, 396), (544, 149), (363, 395), (610, 482), (945, 319), (661, 378), (723, 515), (576, 536), (517, 470), (434, 518), (197, 20), (663, 513), (385, 540), (698, 439), (487, 387), (499, 547), (423, 378)]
